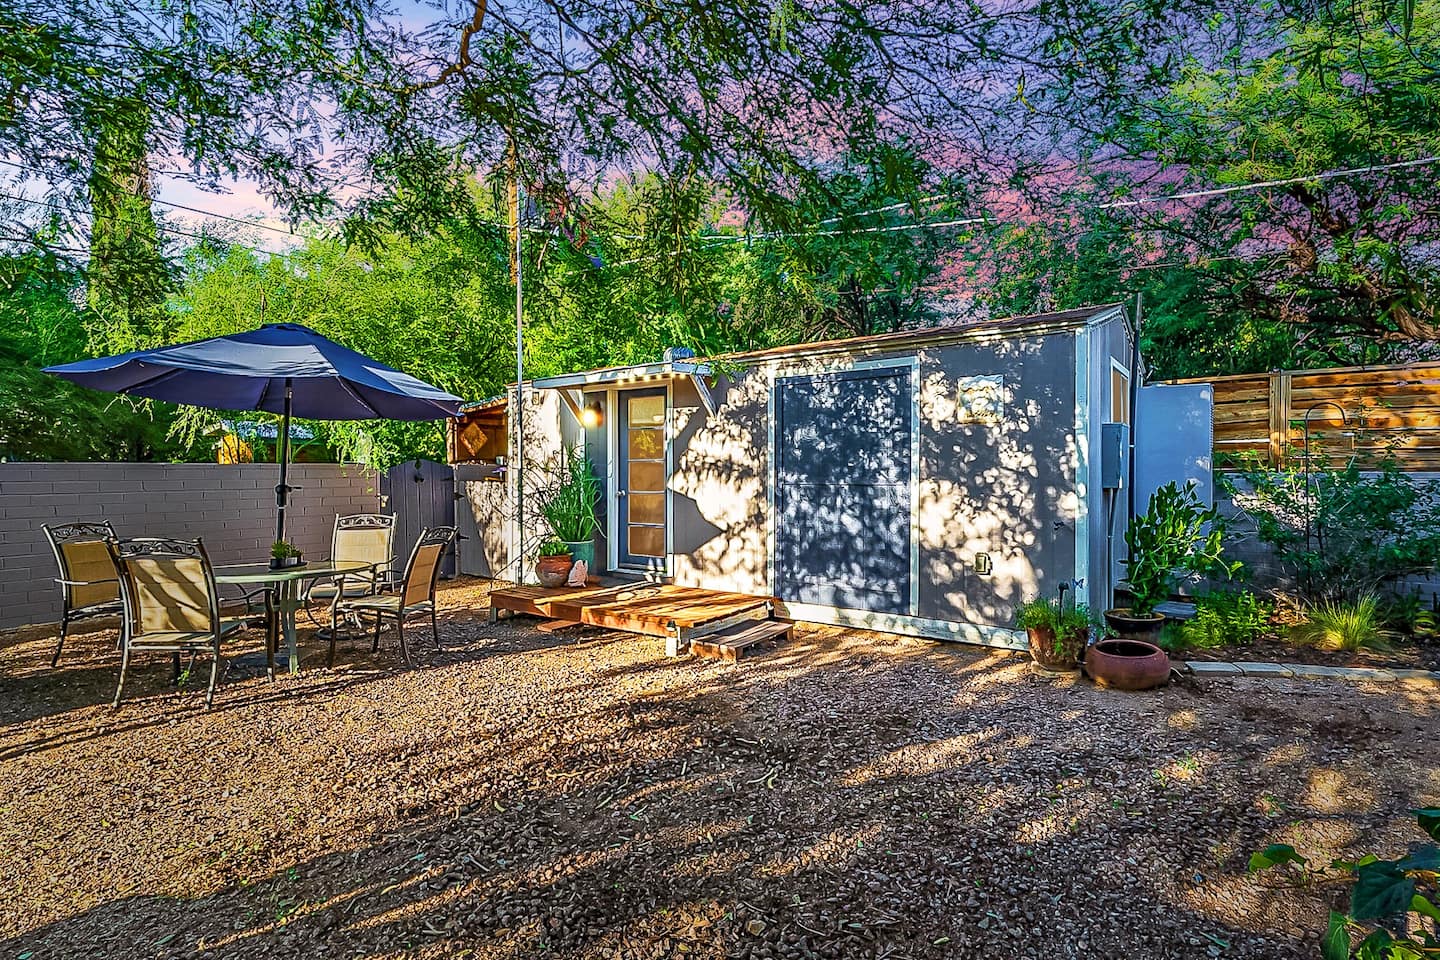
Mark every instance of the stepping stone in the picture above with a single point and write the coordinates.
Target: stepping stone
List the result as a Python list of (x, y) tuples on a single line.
[(1213, 668), (1258, 669)]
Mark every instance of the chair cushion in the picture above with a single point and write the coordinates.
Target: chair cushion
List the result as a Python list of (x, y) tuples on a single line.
[(170, 639)]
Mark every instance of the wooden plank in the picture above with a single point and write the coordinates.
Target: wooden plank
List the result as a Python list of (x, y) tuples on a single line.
[(732, 646), (554, 626), (1279, 416), (651, 609)]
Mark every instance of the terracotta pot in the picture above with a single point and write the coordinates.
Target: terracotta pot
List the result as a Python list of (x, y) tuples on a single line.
[(1128, 626), (1045, 654), (1127, 664), (553, 571)]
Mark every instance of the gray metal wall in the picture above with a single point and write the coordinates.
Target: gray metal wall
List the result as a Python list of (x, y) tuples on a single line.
[(231, 507), (1005, 489)]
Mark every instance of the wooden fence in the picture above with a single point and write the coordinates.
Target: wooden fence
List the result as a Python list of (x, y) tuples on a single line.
[(1388, 411)]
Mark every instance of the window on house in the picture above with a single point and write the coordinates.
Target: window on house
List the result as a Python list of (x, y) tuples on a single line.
[(1119, 396)]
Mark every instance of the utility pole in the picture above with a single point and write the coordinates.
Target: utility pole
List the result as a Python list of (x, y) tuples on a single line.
[(517, 460)]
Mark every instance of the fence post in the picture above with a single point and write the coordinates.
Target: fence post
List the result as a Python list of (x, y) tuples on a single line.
[(1279, 405)]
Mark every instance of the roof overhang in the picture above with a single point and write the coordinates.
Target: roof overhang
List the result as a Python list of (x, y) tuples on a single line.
[(572, 386), (638, 373)]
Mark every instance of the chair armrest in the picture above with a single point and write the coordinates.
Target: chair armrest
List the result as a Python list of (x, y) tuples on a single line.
[(83, 583)]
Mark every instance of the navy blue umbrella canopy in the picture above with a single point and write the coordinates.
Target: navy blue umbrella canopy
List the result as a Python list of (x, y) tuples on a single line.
[(282, 368), (251, 371)]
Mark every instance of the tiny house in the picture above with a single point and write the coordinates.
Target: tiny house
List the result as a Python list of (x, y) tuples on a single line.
[(924, 482)]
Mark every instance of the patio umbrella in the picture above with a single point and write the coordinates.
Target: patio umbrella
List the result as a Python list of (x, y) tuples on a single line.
[(282, 368)]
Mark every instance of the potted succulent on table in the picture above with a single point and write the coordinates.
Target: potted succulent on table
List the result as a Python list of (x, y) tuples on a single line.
[(553, 566), (569, 507), (283, 555), (1058, 632)]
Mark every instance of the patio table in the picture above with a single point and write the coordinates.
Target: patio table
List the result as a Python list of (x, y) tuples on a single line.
[(284, 588)]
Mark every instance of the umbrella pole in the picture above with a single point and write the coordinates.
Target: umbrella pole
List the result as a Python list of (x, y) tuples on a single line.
[(282, 489)]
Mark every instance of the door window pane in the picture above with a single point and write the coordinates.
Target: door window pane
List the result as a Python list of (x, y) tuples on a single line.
[(647, 444), (647, 507), (647, 475), (647, 541), (647, 411)]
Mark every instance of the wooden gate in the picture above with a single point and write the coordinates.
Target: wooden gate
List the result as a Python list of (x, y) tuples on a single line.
[(421, 493)]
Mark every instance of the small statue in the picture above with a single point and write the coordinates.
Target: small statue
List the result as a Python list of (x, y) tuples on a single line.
[(578, 574)]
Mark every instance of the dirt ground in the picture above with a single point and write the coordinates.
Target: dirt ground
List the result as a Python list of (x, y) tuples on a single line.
[(523, 794)]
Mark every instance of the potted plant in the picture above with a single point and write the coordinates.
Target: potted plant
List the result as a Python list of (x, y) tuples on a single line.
[(553, 566), (284, 555), (1175, 535), (1058, 632), (569, 507)]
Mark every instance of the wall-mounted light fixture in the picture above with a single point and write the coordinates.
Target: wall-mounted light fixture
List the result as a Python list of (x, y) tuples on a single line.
[(592, 416), (982, 564)]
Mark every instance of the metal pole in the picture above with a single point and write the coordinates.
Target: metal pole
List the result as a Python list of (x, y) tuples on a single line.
[(518, 461), (282, 489)]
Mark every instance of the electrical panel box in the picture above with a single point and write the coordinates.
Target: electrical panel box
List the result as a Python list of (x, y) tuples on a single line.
[(1114, 439)]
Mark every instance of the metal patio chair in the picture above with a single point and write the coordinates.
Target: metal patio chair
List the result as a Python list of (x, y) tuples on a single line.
[(358, 538), (415, 593), (88, 585), (171, 604)]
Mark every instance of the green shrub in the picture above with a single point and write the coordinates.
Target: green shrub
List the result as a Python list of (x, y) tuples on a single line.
[(551, 547), (569, 505), (1225, 620), (1342, 534), (1344, 626), (1064, 619), (1174, 533), (1392, 905), (1408, 615)]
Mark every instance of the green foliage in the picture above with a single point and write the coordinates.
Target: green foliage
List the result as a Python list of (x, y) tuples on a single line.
[(437, 309), (1174, 534), (1337, 88), (569, 504), (1222, 619), (1392, 903), (283, 550), (1342, 534), (1044, 613), (1409, 616), (43, 321), (1347, 626), (552, 547)]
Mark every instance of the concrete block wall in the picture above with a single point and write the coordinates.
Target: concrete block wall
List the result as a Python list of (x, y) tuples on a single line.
[(1266, 572), (230, 507)]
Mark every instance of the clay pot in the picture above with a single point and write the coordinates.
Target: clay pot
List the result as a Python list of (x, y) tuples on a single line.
[(1128, 626), (553, 571), (1043, 649), (1127, 664)]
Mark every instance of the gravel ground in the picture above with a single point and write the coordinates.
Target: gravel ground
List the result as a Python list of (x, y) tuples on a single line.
[(523, 794)]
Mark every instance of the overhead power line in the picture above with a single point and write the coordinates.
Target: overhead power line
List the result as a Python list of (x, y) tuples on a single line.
[(134, 223), (164, 203)]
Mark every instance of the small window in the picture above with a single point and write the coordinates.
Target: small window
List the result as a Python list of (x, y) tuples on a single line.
[(980, 399), (1119, 395)]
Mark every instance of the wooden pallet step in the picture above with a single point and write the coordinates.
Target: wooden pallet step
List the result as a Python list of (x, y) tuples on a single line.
[(552, 626), (732, 644)]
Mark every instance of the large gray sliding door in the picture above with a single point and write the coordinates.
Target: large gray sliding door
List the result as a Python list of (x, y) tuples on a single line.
[(843, 478)]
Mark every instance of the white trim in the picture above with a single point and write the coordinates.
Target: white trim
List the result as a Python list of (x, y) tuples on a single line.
[(1082, 461), (909, 626), (780, 370), (616, 394), (612, 477), (1117, 367)]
